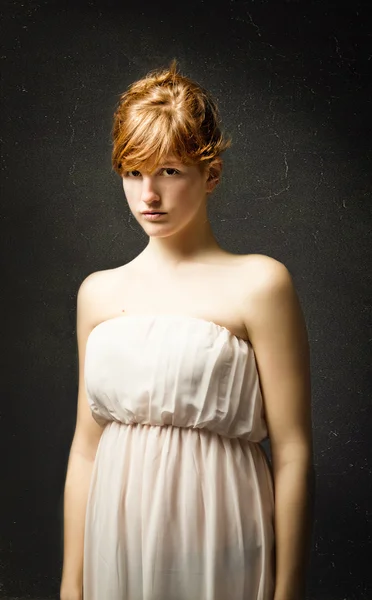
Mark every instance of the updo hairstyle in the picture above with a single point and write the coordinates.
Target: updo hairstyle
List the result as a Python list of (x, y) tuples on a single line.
[(165, 113)]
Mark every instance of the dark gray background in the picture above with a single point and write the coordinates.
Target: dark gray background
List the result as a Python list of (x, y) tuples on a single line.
[(291, 82)]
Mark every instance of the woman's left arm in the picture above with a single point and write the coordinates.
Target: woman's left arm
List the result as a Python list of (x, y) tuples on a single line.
[(279, 337)]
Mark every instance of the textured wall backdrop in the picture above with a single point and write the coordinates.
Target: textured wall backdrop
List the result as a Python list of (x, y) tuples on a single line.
[(291, 81)]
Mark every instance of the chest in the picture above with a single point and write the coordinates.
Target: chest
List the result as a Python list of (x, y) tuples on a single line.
[(215, 293)]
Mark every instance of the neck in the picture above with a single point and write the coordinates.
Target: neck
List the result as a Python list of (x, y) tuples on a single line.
[(188, 245)]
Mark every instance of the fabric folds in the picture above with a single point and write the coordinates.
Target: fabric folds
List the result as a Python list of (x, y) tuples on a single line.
[(181, 501)]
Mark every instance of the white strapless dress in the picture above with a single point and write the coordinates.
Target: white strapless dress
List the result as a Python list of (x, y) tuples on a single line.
[(181, 501)]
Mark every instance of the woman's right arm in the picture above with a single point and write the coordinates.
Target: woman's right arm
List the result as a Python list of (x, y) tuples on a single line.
[(82, 453)]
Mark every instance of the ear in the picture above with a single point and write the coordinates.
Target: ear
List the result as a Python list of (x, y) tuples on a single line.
[(214, 174)]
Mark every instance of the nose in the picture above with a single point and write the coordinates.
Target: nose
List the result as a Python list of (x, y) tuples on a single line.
[(148, 191)]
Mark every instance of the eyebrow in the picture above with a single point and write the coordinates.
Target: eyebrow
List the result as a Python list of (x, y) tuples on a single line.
[(168, 164)]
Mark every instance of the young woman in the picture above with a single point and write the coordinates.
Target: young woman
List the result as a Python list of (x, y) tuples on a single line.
[(189, 356)]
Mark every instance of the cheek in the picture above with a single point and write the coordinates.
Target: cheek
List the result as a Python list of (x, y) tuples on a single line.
[(128, 191), (191, 190)]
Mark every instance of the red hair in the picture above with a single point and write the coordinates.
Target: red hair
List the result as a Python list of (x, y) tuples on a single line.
[(165, 113)]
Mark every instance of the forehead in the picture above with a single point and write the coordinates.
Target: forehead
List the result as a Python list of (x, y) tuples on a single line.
[(171, 159)]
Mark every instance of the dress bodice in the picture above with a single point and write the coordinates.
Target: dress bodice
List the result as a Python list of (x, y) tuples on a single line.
[(174, 370)]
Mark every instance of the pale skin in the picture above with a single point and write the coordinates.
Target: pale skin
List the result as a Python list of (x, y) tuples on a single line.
[(183, 270)]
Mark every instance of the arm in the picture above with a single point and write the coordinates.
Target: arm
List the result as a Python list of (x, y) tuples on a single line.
[(83, 450), (279, 337)]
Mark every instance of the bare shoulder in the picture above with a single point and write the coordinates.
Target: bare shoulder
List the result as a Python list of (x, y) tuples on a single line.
[(268, 293), (264, 271), (93, 285), (92, 296), (272, 305)]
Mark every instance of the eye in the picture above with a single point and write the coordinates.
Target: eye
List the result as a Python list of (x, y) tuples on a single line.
[(132, 173), (169, 171)]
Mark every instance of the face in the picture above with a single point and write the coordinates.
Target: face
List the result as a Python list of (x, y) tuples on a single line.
[(176, 189)]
